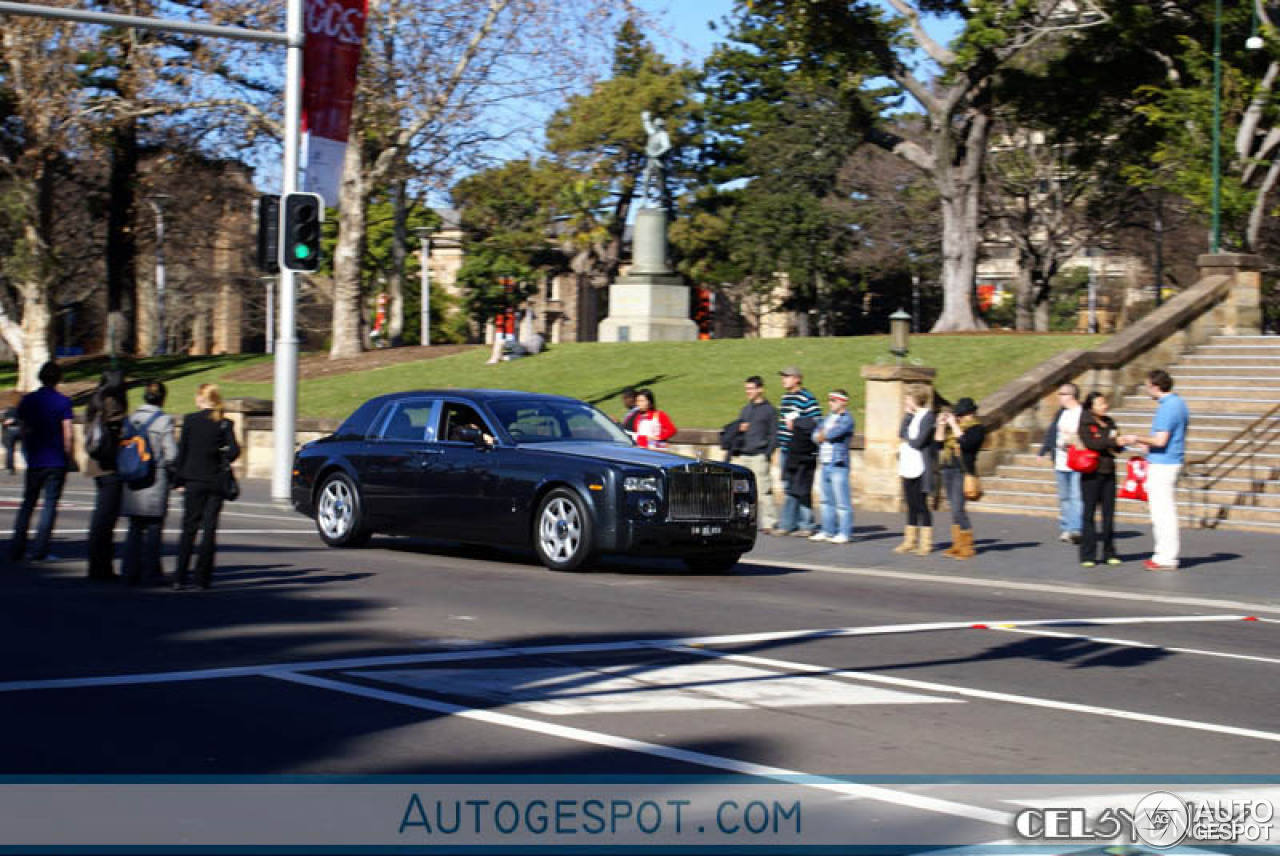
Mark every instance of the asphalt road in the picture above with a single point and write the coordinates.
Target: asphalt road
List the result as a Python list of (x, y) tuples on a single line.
[(416, 658)]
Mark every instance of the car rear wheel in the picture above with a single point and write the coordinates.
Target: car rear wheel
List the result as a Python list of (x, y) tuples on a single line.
[(712, 563), (562, 538), (340, 513)]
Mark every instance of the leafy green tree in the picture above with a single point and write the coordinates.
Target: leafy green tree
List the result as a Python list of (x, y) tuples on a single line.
[(953, 87), (599, 136)]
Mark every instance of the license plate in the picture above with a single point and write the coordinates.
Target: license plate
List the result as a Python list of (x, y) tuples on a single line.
[(707, 530)]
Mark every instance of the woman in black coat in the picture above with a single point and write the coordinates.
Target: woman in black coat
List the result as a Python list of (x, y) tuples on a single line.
[(1098, 432), (207, 445)]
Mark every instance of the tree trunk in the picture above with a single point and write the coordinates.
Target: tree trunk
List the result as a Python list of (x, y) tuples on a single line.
[(957, 173), (1024, 301), (395, 283), (352, 215), (37, 332), (959, 261), (122, 245)]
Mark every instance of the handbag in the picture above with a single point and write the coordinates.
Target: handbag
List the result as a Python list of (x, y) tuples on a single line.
[(228, 487), (1082, 460), (1135, 480), (972, 487)]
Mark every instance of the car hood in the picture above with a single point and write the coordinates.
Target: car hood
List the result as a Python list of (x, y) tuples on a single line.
[(613, 452)]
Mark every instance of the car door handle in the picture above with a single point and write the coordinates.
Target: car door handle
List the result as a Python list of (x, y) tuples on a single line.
[(428, 451)]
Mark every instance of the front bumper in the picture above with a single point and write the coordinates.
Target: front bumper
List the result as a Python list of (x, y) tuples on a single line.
[(661, 538)]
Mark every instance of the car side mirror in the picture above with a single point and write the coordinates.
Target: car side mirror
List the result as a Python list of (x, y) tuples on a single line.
[(472, 435)]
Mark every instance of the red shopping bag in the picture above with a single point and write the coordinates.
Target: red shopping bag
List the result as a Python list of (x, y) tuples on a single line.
[(1135, 480)]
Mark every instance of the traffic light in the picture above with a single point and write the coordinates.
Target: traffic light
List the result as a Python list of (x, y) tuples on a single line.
[(300, 217), (269, 234)]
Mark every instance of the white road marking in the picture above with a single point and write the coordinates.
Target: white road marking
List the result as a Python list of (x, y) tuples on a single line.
[(671, 753), (1129, 643), (987, 695), (575, 648), (221, 531), (638, 687), (1044, 588)]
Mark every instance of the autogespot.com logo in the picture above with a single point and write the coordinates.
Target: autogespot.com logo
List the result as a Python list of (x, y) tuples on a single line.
[(1161, 819)]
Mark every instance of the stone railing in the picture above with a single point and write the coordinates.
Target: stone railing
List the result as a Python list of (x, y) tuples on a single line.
[(1227, 300)]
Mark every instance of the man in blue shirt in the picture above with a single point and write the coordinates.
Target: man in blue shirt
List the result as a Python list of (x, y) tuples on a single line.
[(46, 442), (1166, 450)]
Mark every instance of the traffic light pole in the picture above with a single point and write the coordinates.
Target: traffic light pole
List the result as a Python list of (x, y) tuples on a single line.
[(285, 406)]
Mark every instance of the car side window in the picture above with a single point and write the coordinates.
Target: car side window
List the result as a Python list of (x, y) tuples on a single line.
[(408, 421), (533, 424), (455, 416)]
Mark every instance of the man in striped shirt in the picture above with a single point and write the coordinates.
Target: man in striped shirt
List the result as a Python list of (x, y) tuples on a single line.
[(797, 412)]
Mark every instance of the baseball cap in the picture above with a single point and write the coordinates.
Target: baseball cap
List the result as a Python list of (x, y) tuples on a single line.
[(791, 371)]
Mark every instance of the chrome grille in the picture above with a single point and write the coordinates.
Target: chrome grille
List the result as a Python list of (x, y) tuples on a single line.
[(699, 495)]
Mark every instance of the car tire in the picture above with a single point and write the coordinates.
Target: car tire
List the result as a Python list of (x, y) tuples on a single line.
[(562, 531), (340, 518), (712, 563)]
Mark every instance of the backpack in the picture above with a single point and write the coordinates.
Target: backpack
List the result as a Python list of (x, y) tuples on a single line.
[(135, 459)]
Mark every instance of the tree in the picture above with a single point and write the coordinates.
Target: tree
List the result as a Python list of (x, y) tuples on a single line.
[(600, 137), (434, 81), (45, 101), (957, 101)]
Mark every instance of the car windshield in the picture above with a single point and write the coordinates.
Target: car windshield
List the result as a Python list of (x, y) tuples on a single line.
[(557, 422)]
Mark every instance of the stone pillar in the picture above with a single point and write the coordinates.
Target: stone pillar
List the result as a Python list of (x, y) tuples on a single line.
[(1241, 313), (880, 489)]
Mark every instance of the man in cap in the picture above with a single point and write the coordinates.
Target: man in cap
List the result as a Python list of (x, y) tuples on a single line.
[(798, 415)]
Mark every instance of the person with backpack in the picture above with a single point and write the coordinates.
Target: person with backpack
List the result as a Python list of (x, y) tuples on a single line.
[(207, 447), (104, 418), (146, 504)]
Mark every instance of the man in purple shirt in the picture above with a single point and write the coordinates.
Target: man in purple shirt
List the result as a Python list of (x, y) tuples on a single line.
[(46, 442)]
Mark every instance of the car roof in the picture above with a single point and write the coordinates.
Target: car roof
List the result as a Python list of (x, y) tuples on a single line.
[(478, 395)]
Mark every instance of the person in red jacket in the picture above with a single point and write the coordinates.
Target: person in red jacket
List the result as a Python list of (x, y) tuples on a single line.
[(653, 428)]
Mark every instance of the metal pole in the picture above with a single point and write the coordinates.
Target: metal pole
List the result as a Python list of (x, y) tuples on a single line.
[(161, 344), (270, 283), (286, 354), (426, 290), (1215, 229), (1093, 293), (109, 19)]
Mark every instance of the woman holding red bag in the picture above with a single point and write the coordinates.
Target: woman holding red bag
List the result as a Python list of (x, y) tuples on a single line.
[(1098, 433)]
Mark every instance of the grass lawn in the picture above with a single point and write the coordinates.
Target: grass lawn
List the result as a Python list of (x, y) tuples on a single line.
[(699, 384)]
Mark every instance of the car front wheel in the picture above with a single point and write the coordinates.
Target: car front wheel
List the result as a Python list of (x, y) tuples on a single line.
[(562, 537), (340, 513)]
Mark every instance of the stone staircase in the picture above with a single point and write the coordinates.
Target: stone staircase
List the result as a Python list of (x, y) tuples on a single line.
[(1229, 384)]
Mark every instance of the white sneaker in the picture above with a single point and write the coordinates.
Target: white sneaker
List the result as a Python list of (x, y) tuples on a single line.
[(840, 539), (821, 536)]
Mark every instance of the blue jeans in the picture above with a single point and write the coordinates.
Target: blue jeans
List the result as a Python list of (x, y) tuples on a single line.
[(796, 516), (1070, 502), (837, 510), (50, 480)]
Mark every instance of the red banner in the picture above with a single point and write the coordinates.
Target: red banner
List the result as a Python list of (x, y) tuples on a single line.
[(331, 59)]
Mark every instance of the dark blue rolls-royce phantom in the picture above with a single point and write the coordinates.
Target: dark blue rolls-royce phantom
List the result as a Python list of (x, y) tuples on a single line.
[(520, 469)]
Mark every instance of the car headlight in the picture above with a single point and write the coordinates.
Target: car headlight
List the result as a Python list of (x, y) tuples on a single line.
[(741, 486), (640, 483)]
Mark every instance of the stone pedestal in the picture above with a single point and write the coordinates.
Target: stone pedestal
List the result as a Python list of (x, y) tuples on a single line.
[(880, 489), (1241, 313), (650, 303)]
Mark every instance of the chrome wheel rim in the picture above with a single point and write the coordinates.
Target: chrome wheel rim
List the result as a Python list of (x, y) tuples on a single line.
[(337, 509), (560, 530)]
